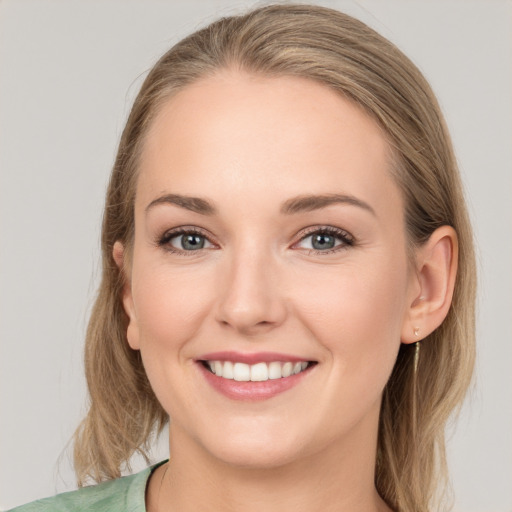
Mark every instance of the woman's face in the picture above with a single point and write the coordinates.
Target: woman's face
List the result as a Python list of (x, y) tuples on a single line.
[(268, 230)]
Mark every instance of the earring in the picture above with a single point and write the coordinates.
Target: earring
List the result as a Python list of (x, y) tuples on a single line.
[(416, 332), (417, 348)]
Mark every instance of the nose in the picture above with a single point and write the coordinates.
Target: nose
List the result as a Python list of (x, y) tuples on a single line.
[(250, 299)]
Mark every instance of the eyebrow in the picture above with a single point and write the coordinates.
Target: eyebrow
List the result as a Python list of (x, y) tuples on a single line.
[(299, 204), (194, 204), (308, 203)]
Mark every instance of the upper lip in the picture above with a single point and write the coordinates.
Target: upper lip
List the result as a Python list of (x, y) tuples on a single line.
[(251, 358)]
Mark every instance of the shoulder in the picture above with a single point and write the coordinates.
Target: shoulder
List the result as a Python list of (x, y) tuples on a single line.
[(126, 494)]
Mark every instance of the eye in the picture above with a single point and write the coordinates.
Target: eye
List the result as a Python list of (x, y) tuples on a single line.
[(189, 242), (184, 240), (325, 239)]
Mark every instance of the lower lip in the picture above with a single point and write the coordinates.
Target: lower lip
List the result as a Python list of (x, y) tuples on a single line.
[(249, 390)]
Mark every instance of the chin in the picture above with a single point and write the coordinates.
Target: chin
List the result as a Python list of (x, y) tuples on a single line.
[(255, 448), (254, 456)]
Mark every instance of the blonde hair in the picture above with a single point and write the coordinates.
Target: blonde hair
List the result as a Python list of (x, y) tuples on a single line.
[(344, 54)]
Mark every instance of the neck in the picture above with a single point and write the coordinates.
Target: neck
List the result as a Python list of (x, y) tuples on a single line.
[(339, 478)]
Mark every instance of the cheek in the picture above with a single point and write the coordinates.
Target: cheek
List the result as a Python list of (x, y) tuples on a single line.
[(356, 312), (170, 306)]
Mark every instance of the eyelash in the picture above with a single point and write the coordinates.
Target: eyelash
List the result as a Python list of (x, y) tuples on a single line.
[(164, 240), (347, 240)]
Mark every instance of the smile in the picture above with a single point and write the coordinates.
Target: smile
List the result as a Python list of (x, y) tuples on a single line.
[(256, 376), (259, 372)]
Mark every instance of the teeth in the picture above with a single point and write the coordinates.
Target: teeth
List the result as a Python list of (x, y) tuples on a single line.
[(286, 371), (274, 370), (259, 372), (241, 372), (227, 370)]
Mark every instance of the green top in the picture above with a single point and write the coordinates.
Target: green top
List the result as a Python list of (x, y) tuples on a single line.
[(126, 494)]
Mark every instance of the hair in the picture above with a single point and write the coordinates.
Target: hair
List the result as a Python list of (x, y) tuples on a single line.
[(344, 54)]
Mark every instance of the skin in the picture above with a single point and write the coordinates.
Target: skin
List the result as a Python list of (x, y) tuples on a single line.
[(247, 145)]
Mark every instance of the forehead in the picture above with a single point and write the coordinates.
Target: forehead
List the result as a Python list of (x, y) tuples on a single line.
[(239, 133)]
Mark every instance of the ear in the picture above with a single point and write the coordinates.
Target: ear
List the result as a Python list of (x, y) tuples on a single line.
[(132, 333), (436, 268)]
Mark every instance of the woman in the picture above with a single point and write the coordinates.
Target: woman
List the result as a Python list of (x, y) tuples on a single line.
[(288, 275)]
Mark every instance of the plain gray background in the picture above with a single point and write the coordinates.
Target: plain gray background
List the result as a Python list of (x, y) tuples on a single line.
[(68, 73)]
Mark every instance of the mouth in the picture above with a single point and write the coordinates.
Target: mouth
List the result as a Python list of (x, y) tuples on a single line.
[(259, 372), (253, 376)]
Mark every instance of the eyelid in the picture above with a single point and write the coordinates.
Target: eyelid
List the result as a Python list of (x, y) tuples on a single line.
[(163, 240), (347, 240)]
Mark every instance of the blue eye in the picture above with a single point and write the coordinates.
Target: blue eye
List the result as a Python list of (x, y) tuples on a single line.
[(321, 241), (327, 239), (184, 241), (188, 242)]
